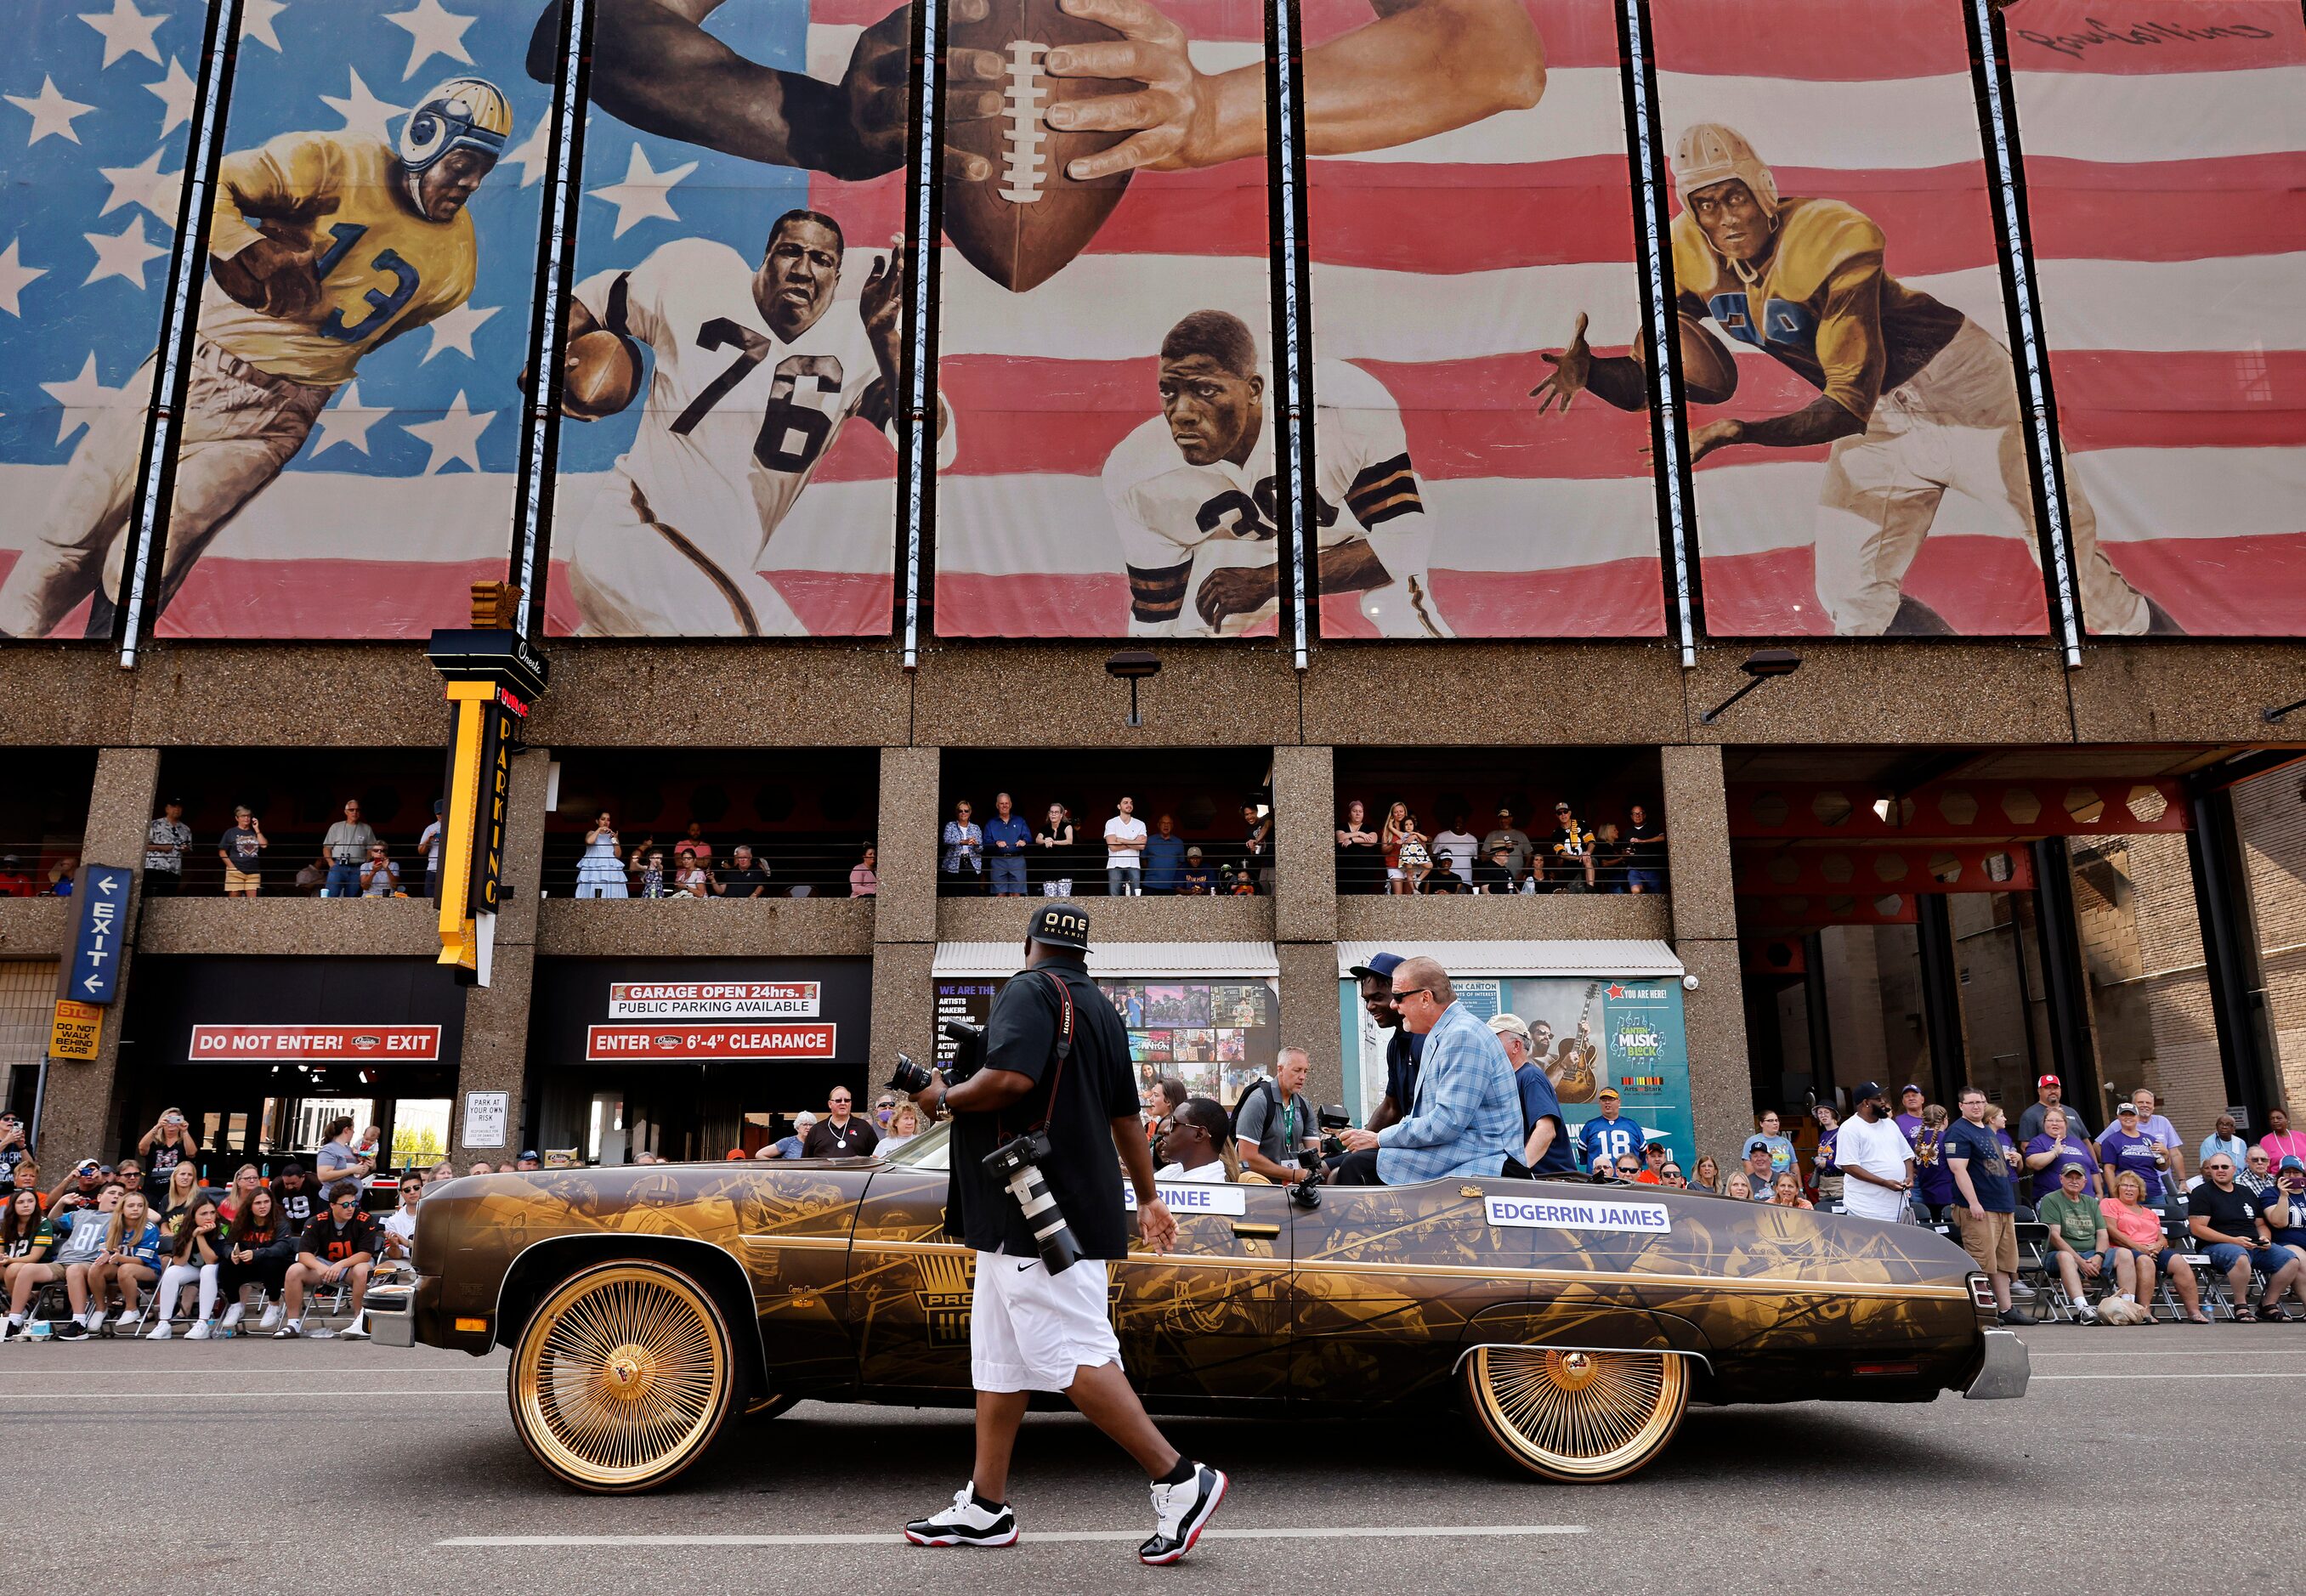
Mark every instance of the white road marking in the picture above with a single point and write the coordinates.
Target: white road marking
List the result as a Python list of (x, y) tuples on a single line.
[(1425, 1532), (2165, 1352), (348, 1394), (2239, 1374)]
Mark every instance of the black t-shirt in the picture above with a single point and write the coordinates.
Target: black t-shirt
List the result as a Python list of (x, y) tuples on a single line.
[(1097, 1087), (2230, 1213), (1644, 845), (743, 884), (296, 1207), (856, 1140), (331, 1242), (1493, 877), (1405, 1054)]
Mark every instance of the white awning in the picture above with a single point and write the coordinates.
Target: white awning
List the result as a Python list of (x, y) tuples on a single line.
[(1197, 959), (1626, 958)]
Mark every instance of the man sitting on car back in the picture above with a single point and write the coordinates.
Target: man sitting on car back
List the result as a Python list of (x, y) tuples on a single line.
[(1465, 1118)]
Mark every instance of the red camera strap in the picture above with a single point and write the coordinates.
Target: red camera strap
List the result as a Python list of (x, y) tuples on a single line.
[(1064, 1044)]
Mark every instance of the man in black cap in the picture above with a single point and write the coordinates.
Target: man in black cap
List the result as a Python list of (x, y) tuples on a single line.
[(1403, 1049), (1056, 1061), (1875, 1159)]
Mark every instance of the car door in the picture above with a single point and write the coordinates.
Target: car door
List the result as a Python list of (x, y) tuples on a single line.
[(909, 1283), (1209, 1319), (793, 1224), (1387, 1279)]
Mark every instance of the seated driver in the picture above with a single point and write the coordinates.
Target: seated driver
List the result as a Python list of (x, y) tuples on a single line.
[(1465, 1118), (1199, 1137)]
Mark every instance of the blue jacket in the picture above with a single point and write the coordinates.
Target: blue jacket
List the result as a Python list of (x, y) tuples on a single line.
[(1466, 1117)]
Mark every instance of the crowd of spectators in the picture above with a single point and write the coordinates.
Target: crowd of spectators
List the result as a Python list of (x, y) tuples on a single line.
[(1398, 856), (693, 866), (1001, 854), (130, 1245), (352, 860)]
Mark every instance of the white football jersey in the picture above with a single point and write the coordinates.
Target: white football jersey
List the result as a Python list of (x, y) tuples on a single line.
[(1169, 514), (736, 418)]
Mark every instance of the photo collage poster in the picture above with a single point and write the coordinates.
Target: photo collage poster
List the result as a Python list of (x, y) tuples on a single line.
[(1217, 1035), (1472, 229), (96, 110), (728, 461)]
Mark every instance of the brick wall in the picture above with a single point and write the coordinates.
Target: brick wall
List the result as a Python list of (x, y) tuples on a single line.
[(2270, 814)]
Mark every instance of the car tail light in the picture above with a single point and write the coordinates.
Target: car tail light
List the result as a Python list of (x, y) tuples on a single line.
[(1981, 1292), (1894, 1370)]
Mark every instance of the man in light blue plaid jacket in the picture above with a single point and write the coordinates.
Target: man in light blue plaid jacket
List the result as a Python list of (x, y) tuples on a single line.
[(1466, 1117)]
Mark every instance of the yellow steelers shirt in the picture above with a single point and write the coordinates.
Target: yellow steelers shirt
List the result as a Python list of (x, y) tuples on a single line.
[(384, 270), (1822, 304)]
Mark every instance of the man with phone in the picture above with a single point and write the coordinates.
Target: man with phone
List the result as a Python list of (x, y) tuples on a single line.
[(1056, 1068)]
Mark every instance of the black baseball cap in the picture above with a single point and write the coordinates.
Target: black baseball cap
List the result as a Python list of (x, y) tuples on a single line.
[(1866, 1091), (1061, 925)]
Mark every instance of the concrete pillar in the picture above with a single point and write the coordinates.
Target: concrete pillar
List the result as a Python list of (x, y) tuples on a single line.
[(905, 914), (494, 1057), (1695, 800), (79, 1111), (1309, 1014), (1305, 844)]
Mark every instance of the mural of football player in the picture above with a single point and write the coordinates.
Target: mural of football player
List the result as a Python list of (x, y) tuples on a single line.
[(1194, 501), (753, 383), (1913, 397), (321, 248)]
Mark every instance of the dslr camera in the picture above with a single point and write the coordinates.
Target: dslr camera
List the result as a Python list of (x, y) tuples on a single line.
[(1016, 1164), (1332, 1118), (968, 1057)]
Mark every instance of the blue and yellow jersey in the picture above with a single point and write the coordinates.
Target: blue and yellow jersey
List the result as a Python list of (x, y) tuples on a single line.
[(384, 270), (1823, 303)]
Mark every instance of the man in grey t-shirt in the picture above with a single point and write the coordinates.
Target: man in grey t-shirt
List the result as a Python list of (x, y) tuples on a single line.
[(1275, 1119), (347, 846)]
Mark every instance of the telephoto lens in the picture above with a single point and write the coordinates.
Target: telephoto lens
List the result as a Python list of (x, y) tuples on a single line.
[(1016, 1164), (909, 1077)]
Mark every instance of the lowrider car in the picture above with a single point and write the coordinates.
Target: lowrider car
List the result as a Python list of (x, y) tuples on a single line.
[(645, 1306)]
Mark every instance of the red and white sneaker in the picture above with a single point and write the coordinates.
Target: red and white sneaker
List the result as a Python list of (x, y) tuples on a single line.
[(965, 1524), (1180, 1513)]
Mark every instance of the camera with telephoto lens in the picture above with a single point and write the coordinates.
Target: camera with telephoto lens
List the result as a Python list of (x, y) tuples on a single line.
[(968, 1058), (1016, 1164), (1332, 1118)]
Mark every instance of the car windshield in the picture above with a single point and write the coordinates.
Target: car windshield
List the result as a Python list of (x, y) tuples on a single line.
[(924, 1151)]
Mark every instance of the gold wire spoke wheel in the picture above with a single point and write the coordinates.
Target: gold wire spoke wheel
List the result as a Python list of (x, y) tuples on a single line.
[(1578, 1416), (621, 1378)]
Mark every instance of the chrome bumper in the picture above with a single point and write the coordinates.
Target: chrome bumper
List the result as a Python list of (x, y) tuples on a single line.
[(392, 1315), (2003, 1374)]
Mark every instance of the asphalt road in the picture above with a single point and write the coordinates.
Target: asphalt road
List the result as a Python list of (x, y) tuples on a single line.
[(201, 1464)]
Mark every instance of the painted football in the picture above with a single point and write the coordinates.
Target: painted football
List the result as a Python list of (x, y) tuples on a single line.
[(1709, 373), (1025, 220)]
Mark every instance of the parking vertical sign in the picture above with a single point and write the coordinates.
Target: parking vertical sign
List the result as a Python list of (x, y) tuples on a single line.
[(103, 903)]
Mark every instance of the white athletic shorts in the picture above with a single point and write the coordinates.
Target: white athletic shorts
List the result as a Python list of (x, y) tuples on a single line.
[(1030, 1330)]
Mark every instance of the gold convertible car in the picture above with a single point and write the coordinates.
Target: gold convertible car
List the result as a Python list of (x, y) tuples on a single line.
[(643, 1306)]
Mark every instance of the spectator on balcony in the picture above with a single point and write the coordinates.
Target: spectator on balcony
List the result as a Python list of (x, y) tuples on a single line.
[(61, 873), (1446, 881), (1494, 875), (1644, 851), (312, 879), (1570, 854), (1243, 882), (1515, 839), (1007, 841), (1396, 818), (380, 877), (1360, 867), (1165, 857), (864, 879), (695, 843), (240, 849), (743, 878), (1197, 880), (164, 842), (430, 842), (690, 878), (1414, 856), (1124, 841), (649, 881), (345, 846), (1454, 846), (1257, 839), (599, 871), (1053, 847), (1608, 859), (963, 865), (16, 879)]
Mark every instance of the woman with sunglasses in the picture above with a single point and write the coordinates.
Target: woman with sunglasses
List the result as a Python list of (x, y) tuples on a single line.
[(200, 1249), (244, 1181)]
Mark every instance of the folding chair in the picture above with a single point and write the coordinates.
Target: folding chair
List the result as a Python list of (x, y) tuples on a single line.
[(2210, 1283), (2037, 1272)]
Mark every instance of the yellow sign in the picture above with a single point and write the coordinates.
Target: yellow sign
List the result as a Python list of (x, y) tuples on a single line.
[(76, 1030)]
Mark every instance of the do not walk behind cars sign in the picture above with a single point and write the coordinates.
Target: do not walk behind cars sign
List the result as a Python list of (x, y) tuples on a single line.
[(76, 1031)]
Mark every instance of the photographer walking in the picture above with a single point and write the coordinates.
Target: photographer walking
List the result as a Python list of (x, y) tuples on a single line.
[(1056, 1078)]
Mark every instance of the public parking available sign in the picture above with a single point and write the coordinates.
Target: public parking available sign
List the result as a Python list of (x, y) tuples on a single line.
[(702, 1044), (286, 1044), (102, 928)]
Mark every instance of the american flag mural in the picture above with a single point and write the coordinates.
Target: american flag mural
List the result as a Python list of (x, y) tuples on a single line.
[(1055, 389), (1862, 305), (96, 103), (2166, 187), (1443, 267), (346, 468), (800, 552)]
